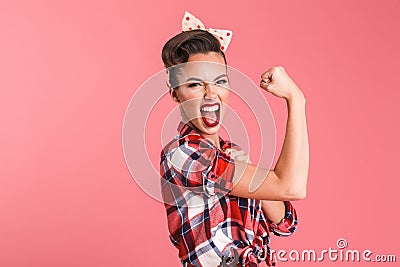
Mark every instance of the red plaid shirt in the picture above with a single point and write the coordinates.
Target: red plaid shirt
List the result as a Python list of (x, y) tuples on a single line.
[(204, 220)]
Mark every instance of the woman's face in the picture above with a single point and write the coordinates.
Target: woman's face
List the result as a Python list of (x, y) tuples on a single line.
[(203, 92)]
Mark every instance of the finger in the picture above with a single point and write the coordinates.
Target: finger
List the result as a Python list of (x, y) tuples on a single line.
[(231, 152), (266, 81), (265, 85), (243, 158), (268, 74), (266, 78), (228, 151), (236, 153)]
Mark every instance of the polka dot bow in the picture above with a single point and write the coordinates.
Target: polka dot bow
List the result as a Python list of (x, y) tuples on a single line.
[(190, 22)]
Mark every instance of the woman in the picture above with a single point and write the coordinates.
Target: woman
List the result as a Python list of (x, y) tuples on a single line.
[(210, 210)]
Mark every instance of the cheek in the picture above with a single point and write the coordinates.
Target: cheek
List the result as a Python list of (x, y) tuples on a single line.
[(188, 95), (225, 96), (190, 102)]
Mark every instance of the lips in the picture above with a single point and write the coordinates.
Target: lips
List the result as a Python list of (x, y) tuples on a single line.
[(210, 113)]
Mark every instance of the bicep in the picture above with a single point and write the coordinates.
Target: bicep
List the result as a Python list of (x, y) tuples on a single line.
[(251, 181)]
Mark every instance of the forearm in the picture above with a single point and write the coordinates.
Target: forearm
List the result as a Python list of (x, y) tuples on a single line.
[(273, 210), (292, 165), (280, 224)]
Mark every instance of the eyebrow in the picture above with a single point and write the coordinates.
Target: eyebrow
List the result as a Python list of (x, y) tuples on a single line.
[(200, 80)]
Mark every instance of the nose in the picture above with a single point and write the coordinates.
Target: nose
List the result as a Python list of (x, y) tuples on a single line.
[(211, 91)]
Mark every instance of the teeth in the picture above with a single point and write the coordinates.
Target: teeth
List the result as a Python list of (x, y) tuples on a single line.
[(210, 108)]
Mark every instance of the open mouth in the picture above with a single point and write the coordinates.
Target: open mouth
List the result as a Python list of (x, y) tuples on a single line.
[(210, 113)]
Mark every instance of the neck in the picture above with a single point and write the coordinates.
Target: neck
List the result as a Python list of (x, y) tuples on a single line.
[(214, 138)]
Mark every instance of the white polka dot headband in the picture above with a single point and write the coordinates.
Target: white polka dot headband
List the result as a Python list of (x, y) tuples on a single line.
[(190, 22)]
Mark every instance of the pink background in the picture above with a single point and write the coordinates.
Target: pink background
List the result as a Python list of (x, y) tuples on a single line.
[(68, 70)]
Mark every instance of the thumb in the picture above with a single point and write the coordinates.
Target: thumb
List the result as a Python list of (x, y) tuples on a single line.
[(266, 80), (267, 85)]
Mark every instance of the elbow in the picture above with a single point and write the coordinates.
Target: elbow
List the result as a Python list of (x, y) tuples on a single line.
[(296, 194), (296, 189), (293, 188), (301, 195)]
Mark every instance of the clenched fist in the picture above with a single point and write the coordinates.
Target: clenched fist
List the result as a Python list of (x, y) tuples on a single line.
[(277, 81)]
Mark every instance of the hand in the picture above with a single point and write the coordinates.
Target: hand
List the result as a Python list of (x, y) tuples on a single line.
[(239, 155), (277, 81)]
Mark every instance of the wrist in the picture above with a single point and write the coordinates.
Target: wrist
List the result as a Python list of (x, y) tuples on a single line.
[(296, 96)]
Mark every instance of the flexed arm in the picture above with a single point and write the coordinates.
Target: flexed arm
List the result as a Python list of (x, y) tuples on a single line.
[(288, 181), (292, 165)]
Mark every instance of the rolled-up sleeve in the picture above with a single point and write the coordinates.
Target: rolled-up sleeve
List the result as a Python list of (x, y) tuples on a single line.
[(288, 224)]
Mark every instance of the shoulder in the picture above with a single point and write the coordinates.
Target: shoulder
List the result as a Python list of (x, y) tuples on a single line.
[(189, 143), (191, 151)]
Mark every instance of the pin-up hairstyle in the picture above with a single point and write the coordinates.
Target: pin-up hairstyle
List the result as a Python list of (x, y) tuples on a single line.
[(178, 49)]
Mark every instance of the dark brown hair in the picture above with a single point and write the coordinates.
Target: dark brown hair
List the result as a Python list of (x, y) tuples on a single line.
[(178, 49)]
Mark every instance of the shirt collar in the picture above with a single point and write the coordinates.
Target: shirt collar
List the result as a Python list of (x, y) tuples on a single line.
[(185, 129)]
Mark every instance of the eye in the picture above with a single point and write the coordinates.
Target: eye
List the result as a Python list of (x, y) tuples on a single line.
[(195, 85), (222, 82)]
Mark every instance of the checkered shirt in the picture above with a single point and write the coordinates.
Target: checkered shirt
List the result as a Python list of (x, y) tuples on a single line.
[(205, 222)]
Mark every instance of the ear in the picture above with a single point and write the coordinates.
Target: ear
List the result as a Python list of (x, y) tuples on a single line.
[(174, 94)]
